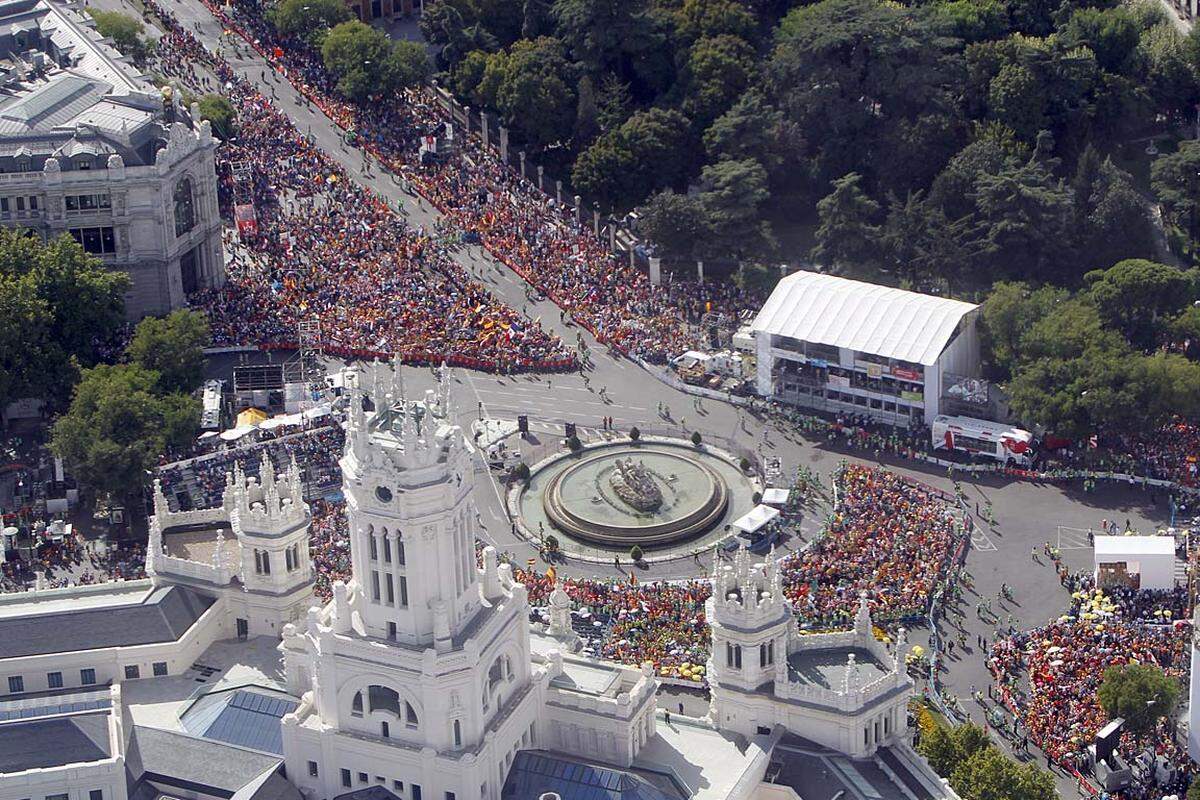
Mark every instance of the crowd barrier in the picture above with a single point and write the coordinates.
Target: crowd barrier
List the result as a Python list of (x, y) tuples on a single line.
[(427, 357)]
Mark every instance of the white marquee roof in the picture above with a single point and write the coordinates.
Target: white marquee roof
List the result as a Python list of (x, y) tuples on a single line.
[(840, 312)]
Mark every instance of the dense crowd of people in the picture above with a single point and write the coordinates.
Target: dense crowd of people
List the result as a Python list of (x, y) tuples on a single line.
[(482, 198), (1064, 664), (71, 562), (328, 250), (893, 538), (200, 482)]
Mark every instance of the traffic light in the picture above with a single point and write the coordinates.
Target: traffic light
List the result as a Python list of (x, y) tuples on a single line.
[(570, 429), (522, 423)]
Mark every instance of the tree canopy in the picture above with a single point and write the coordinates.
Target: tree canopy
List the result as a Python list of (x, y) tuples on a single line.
[(117, 426), (366, 62), (172, 347), (310, 19), (1141, 694), (67, 303), (978, 770), (125, 31)]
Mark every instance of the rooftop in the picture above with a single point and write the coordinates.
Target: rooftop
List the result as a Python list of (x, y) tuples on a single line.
[(708, 763), (66, 91), (826, 667), (200, 762), (816, 772), (163, 615), (246, 717), (54, 741), (887, 322), (535, 772), (1134, 546)]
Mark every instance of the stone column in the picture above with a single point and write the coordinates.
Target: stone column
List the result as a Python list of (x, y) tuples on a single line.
[(558, 191), (700, 271), (578, 209), (467, 119), (612, 236), (483, 128), (504, 144), (541, 170), (596, 219), (521, 155)]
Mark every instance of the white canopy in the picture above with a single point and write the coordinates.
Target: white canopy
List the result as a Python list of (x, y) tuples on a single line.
[(322, 410), (775, 497), (236, 433), (757, 517), (880, 320)]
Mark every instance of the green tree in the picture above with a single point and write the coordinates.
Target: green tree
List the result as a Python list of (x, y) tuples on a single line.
[(697, 19), (528, 85), (86, 302), (1009, 311), (309, 19), (847, 239), (365, 62), (1111, 33), (220, 114), (614, 102), (32, 364), (988, 774), (676, 223), (118, 425), (752, 128), (1025, 216), (1136, 296), (173, 347), (732, 194), (467, 75), (125, 32), (604, 35), (846, 71), (1141, 694), (1175, 179), (651, 149), (717, 72), (408, 64), (1112, 218), (1017, 99), (947, 747)]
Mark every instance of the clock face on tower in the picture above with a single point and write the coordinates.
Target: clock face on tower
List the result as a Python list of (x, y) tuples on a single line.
[(384, 494)]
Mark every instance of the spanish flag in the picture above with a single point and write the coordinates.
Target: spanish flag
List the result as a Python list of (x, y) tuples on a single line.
[(632, 579), (551, 574)]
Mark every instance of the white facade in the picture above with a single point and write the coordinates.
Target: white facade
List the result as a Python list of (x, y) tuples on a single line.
[(419, 672), (89, 148), (762, 672)]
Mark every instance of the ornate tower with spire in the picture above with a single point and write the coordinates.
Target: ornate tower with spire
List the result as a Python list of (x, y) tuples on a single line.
[(421, 663)]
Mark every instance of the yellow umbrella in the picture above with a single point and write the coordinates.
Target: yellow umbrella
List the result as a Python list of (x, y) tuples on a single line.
[(918, 651), (251, 417)]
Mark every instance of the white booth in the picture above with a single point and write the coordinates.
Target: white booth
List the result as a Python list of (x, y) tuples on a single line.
[(1142, 562)]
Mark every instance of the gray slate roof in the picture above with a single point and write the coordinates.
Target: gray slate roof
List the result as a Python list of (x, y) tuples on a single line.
[(177, 756), (164, 616), (54, 742)]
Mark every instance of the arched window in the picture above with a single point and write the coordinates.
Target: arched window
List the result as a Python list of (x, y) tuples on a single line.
[(410, 716), (356, 708), (185, 207), (457, 733), (384, 699)]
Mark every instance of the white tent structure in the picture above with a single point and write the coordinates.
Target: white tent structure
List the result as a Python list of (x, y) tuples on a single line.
[(864, 348), (776, 497), (1147, 562), (755, 518)]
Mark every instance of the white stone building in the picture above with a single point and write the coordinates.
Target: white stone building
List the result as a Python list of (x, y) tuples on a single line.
[(89, 148), (844, 690), (422, 679)]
